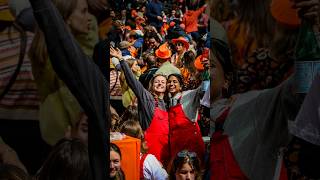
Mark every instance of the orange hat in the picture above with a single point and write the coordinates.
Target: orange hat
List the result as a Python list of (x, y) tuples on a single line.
[(284, 13), (197, 62), (163, 52), (5, 14), (182, 40)]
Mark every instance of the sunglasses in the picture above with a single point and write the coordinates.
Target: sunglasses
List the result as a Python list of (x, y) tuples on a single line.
[(179, 44), (183, 154)]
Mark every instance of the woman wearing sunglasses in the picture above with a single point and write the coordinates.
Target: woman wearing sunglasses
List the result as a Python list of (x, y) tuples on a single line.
[(181, 45), (185, 166)]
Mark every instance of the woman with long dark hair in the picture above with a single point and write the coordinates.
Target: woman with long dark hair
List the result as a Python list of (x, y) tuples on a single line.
[(183, 117)]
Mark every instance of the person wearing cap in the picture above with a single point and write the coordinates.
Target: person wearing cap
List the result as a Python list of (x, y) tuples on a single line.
[(151, 69), (153, 116), (163, 55), (181, 45), (251, 129)]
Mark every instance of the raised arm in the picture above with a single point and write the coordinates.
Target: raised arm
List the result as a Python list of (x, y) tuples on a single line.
[(145, 98), (82, 77), (132, 81)]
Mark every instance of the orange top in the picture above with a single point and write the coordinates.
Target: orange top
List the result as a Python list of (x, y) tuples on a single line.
[(190, 19), (130, 160)]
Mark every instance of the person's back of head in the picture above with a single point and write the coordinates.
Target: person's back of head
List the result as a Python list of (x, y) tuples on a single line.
[(68, 160), (151, 61), (131, 113), (132, 128), (11, 172)]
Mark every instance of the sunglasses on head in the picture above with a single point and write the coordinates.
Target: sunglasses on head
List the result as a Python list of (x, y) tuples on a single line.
[(183, 154)]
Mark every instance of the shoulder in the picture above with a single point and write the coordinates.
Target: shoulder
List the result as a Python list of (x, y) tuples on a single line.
[(151, 162)]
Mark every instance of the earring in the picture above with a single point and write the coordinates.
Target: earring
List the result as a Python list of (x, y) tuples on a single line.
[(225, 89)]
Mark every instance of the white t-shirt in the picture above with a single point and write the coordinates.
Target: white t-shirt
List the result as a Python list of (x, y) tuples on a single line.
[(152, 169)]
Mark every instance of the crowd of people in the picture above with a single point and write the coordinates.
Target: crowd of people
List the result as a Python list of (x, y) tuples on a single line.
[(169, 74)]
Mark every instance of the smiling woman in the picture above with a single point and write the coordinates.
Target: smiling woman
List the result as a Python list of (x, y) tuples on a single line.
[(183, 117), (115, 163), (153, 116)]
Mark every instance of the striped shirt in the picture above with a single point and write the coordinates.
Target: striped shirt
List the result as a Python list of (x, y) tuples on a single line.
[(22, 100)]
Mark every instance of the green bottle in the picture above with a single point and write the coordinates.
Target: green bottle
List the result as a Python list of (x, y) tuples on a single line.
[(307, 57)]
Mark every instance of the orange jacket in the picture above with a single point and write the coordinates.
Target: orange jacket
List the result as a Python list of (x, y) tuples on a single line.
[(190, 19)]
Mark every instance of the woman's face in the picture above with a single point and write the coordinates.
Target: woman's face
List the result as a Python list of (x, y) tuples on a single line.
[(185, 172), (81, 130), (112, 14), (217, 77), (153, 43), (123, 13), (79, 19), (115, 163), (159, 84), (173, 12), (173, 85), (179, 47), (135, 67), (143, 9)]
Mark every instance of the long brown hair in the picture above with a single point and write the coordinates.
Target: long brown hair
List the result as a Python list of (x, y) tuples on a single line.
[(188, 59), (255, 14)]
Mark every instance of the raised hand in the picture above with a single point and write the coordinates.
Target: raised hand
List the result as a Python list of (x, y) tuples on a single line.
[(115, 52)]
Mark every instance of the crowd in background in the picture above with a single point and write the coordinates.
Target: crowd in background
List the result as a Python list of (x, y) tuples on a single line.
[(180, 72)]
